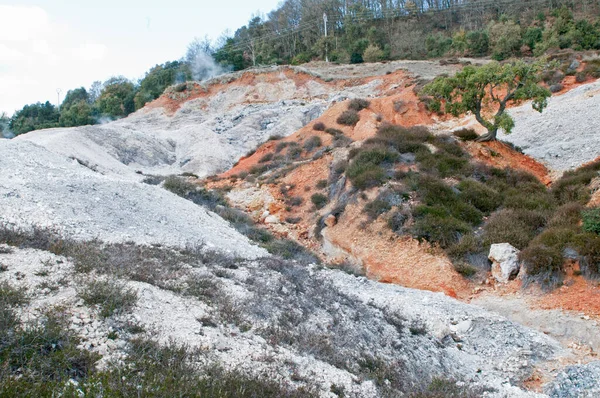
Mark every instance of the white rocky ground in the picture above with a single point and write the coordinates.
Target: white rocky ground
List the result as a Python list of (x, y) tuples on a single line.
[(48, 190), (566, 134), (305, 325)]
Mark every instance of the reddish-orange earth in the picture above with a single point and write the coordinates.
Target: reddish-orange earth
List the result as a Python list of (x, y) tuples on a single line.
[(385, 256)]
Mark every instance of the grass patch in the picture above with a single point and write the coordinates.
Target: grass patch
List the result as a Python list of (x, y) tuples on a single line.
[(110, 296)]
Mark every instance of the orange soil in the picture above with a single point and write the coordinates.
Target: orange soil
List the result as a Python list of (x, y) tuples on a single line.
[(389, 258), (577, 294), (500, 155), (385, 256)]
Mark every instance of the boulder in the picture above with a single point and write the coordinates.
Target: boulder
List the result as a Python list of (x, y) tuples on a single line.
[(330, 221), (505, 261), (271, 219)]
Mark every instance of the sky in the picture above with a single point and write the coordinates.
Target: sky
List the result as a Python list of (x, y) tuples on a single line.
[(47, 45)]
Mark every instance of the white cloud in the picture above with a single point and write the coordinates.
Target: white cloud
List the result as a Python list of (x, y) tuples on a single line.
[(91, 51), (18, 24), (39, 55), (8, 54)]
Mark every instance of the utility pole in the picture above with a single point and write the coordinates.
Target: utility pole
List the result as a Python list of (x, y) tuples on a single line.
[(58, 91), (325, 24)]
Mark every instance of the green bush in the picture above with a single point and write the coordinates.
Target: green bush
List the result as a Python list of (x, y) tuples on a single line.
[(517, 227), (266, 158), (588, 246), (365, 171), (321, 184), (543, 264), (567, 215), (479, 195), (573, 186), (319, 200), (591, 220), (441, 229), (358, 104), (478, 43), (312, 143), (464, 268), (376, 208), (348, 118), (319, 126), (465, 134)]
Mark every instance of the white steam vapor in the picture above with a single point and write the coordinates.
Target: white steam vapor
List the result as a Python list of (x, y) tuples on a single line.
[(204, 67)]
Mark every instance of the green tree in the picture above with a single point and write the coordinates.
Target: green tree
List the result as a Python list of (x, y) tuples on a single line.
[(34, 117), (158, 79), (78, 113), (487, 90), (74, 96), (116, 98)]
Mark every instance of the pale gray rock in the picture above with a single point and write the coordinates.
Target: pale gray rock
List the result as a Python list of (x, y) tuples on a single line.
[(505, 261)]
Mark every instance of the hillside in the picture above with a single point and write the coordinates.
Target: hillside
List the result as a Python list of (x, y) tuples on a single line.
[(89, 215)]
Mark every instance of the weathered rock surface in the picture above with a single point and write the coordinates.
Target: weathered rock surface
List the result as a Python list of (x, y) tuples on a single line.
[(566, 135), (49, 190), (579, 381), (505, 261)]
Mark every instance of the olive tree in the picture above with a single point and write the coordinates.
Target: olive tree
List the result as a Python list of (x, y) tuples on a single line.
[(487, 90)]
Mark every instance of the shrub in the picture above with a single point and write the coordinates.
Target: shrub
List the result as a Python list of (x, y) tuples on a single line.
[(266, 158), (465, 134), (464, 268), (591, 220), (567, 215), (110, 296), (319, 200), (348, 118), (443, 163), (373, 54), (365, 175), (468, 244), (479, 195), (396, 221), (281, 146), (178, 186), (321, 184), (334, 132), (365, 170), (588, 246), (290, 250), (312, 143), (376, 208), (294, 151), (438, 228), (543, 264), (572, 187), (294, 201), (478, 43), (319, 126), (513, 226), (358, 104)]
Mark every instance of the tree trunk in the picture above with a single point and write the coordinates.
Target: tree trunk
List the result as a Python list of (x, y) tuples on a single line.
[(489, 136)]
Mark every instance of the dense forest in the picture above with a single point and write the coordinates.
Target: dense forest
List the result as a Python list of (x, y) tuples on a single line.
[(357, 31)]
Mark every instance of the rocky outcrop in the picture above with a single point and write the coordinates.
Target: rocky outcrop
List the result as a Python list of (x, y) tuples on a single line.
[(505, 261)]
